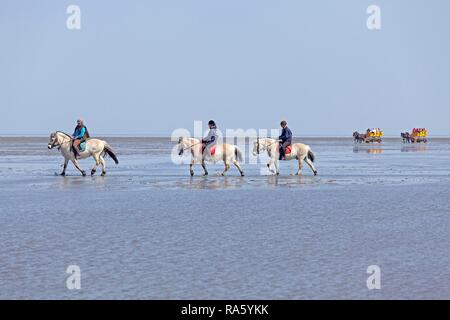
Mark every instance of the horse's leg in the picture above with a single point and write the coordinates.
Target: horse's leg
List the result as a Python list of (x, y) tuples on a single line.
[(311, 165), (75, 163), (270, 164), (277, 166), (63, 173), (227, 166), (103, 163), (97, 162), (300, 166), (190, 167), (238, 167), (204, 168)]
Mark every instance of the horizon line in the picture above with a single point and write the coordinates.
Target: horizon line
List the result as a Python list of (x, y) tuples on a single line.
[(136, 135)]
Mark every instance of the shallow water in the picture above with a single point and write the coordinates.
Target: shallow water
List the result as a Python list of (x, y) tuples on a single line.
[(149, 230)]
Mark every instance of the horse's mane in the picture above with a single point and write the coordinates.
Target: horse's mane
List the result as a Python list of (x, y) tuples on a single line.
[(267, 138), (195, 140), (68, 135)]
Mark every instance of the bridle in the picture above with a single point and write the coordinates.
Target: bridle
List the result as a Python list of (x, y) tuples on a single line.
[(187, 148), (55, 140), (258, 148)]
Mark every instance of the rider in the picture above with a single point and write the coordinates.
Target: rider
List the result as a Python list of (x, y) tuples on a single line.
[(210, 140), (80, 135), (285, 139)]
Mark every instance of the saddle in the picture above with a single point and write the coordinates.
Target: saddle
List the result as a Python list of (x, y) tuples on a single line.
[(212, 150), (288, 149)]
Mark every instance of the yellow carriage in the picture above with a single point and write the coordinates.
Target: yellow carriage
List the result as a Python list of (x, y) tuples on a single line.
[(374, 135)]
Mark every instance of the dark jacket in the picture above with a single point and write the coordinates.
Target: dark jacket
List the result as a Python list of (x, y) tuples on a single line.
[(286, 135)]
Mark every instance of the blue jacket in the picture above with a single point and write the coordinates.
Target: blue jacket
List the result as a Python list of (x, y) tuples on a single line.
[(286, 135), (79, 133)]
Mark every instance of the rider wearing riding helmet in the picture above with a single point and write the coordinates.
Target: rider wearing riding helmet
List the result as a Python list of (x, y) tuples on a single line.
[(80, 135), (210, 140), (285, 139)]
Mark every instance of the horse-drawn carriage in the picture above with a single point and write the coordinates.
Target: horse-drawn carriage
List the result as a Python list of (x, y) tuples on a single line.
[(417, 135), (371, 135)]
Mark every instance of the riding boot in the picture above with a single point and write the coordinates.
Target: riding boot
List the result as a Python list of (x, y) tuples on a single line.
[(281, 153)]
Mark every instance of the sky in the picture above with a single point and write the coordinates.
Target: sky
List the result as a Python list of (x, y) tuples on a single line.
[(148, 67)]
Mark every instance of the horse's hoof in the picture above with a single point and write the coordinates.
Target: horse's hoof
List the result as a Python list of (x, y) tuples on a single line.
[(278, 173), (242, 174), (103, 174), (92, 172), (63, 174), (83, 173), (315, 173), (192, 173), (268, 165)]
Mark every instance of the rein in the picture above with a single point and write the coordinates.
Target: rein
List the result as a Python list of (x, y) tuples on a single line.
[(193, 145)]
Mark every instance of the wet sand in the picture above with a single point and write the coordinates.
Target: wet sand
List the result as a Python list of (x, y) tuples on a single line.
[(149, 230)]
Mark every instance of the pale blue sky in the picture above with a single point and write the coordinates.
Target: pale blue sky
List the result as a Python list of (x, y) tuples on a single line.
[(148, 67)]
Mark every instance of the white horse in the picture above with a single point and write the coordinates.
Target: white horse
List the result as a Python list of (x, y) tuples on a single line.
[(224, 152), (94, 148), (299, 151)]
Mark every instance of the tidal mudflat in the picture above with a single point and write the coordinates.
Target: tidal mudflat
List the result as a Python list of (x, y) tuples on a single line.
[(149, 230)]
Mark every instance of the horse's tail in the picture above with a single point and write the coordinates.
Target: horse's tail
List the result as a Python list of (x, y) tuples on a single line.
[(311, 155), (110, 152), (238, 154)]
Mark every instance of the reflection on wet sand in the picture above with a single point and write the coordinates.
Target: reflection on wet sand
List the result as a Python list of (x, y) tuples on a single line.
[(232, 182), (371, 150), (215, 182), (414, 148), (76, 182), (290, 181), (380, 149), (273, 180)]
